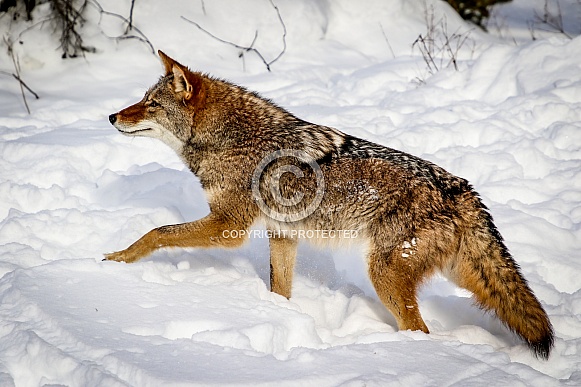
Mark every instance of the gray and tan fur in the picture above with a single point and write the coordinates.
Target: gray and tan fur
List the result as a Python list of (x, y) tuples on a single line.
[(415, 217)]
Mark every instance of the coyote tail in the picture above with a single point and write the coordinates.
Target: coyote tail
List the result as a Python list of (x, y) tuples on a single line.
[(486, 268)]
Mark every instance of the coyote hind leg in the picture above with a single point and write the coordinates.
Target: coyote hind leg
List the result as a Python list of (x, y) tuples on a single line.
[(396, 276)]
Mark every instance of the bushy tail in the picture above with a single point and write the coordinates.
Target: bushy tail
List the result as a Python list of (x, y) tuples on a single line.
[(486, 268)]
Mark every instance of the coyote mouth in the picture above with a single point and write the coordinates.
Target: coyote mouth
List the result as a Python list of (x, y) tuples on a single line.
[(134, 132)]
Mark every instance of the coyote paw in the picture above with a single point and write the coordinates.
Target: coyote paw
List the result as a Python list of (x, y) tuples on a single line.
[(118, 256)]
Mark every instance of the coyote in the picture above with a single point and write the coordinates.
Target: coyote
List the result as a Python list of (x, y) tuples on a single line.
[(257, 162)]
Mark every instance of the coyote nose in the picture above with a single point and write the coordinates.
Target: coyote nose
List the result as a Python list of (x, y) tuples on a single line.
[(113, 118)]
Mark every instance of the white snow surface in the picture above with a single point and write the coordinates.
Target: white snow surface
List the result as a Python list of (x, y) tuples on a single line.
[(73, 188)]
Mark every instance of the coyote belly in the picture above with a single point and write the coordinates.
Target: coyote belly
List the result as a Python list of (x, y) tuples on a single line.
[(259, 163)]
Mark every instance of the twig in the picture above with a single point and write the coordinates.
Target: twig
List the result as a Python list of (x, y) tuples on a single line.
[(459, 41), (438, 47), (387, 40), (283, 35), (68, 17), (426, 51), (249, 48), (16, 68), (22, 83), (17, 75), (549, 19), (141, 38), (130, 24)]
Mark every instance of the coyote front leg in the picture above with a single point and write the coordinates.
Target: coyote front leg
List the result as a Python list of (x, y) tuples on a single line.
[(283, 252), (206, 232)]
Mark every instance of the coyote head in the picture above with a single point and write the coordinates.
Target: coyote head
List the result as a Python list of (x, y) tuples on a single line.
[(167, 110)]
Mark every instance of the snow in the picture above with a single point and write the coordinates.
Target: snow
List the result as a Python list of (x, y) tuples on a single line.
[(73, 188)]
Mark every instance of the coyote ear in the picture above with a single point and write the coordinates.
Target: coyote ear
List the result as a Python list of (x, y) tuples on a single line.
[(190, 85), (185, 82), (181, 83), (168, 62)]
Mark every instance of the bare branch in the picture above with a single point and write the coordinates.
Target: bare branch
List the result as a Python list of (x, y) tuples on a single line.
[(249, 48), (17, 75), (22, 83), (438, 47), (130, 24), (552, 21), (283, 36), (424, 45), (69, 19), (387, 40), (141, 38)]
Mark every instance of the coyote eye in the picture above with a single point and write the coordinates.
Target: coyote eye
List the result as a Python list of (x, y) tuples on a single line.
[(153, 104)]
